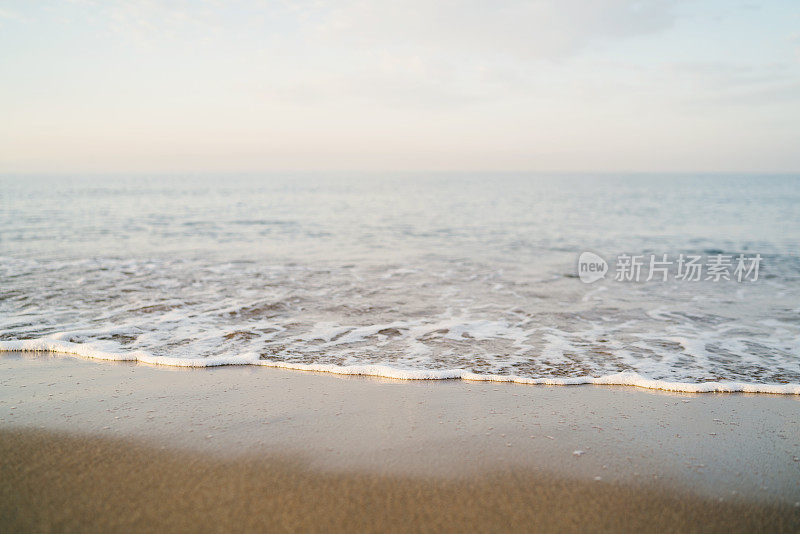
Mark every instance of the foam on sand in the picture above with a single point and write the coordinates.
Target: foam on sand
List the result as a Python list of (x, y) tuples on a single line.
[(88, 350)]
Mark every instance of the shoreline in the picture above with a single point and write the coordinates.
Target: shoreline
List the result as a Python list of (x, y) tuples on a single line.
[(625, 379)]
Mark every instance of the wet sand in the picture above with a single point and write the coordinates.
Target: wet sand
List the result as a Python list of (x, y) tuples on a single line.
[(51, 482), (90, 445)]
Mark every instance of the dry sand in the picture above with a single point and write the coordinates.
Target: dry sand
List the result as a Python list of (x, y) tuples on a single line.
[(92, 446)]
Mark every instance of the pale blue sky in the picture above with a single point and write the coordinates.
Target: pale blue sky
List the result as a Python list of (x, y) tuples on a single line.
[(569, 85)]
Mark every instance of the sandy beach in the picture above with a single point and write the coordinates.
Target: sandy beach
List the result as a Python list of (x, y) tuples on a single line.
[(53, 482), (93, 446)]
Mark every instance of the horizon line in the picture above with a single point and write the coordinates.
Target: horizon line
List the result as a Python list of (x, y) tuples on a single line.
[(399, 172)]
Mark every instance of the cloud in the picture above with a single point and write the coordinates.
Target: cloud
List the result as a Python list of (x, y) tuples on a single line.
[(423, 54), (522, 29), (746, 85), (426, 54)]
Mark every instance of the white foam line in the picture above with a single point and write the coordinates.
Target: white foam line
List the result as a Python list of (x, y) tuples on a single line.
[(86, 350), (618, 379)]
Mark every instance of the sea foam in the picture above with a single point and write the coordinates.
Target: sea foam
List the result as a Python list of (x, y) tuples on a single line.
[(445, 321), (86, 350)]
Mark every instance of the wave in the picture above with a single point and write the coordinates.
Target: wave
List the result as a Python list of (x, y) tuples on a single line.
[(251, 358)]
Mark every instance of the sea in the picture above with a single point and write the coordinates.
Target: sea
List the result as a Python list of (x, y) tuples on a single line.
[(472, 276)]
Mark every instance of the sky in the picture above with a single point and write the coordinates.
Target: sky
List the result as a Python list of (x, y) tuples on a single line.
[(406, 85)]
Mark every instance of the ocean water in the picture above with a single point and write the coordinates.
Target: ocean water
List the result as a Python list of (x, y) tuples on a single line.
[(409, 276)]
